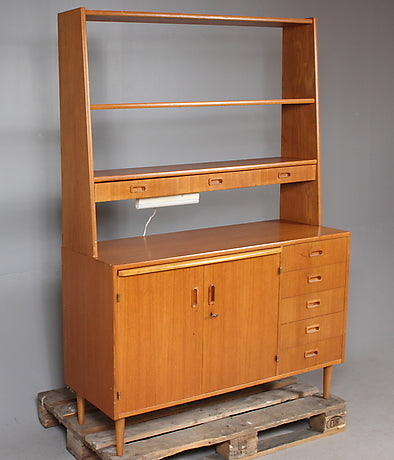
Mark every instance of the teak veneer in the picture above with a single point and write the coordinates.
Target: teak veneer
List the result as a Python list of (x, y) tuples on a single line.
[(152, 322)]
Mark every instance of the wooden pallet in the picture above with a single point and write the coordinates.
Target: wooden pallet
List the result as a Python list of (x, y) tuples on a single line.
[(238, 425)]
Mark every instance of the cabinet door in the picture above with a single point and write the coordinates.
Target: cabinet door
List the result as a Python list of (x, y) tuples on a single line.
[(240, 322), (158, 346)]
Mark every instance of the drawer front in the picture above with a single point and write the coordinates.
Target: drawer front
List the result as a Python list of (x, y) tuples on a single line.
[(311, 355), (314, 254), (145, 188), (316, 279), (311, 330), (312, 305), (289, 174)]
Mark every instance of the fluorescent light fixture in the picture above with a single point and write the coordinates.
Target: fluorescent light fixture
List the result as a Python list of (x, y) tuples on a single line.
[(172, 200)]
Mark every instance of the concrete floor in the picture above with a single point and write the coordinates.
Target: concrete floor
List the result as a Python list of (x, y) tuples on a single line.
[(367, 386)]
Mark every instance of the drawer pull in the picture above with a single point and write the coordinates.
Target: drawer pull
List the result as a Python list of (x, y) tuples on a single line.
[(317, 252), (315, 279), (312, 329), (313, 303), (213, 315), (216, 181), (140, 188), (195, 297), (311, 353), (283, 175)]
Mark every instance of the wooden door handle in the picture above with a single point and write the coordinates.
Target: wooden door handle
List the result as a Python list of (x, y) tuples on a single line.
[(211, 294), (195, 297)]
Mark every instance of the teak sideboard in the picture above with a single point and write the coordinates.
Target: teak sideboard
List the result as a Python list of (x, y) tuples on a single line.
[(151, 322)]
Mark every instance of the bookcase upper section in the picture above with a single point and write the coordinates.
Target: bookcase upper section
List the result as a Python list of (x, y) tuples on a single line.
[(295, 168)]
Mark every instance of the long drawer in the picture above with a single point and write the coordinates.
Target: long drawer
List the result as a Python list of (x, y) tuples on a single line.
[(311, 305), (314, 254), (314, 279), (144, 188), (311, 355), (311, 330)]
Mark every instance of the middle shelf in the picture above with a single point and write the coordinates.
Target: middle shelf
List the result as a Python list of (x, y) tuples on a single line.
[(146, 182)]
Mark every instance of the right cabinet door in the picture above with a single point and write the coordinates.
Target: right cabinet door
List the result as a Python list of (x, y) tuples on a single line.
[(240, 322)]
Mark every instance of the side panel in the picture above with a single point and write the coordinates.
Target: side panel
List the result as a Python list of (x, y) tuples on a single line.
[(78, 207), (158, 342), (300, 202), (240, 343), (88, 328)]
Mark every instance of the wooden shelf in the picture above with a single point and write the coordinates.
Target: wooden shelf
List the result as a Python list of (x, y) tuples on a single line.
[(201, 19), (146, 172), (192, 244), (153, 105)]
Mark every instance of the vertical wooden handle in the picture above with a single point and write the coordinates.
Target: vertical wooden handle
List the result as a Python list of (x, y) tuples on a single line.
[(211, 294), (195, 297)]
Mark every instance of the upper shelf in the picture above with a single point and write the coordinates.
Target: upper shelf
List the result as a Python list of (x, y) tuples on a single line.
[(150, 105), (202, 19)]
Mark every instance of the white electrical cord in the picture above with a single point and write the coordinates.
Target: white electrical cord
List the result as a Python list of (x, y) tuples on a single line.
[(148, 221)]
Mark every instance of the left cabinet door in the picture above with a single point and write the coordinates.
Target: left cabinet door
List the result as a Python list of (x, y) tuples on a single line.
[(158, 339)]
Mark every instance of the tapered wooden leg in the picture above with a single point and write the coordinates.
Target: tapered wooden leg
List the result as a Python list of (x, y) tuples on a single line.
[(327, 376), (81, 409), (119, 434)]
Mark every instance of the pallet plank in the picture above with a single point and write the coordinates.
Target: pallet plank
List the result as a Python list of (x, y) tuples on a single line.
[(202, 415), (225, 429)]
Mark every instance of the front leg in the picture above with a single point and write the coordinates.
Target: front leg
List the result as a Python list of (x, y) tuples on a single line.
[(327, 376)]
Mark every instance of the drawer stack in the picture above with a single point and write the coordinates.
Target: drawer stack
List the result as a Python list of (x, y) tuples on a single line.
[(312, 304)]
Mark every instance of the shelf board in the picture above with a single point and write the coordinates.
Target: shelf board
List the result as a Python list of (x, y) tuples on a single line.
[(110, 175), (153, 105), (201, 19), (192, 244)]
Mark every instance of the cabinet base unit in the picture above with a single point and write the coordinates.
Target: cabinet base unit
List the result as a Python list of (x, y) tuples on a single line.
[(177, 323), (159, 321)]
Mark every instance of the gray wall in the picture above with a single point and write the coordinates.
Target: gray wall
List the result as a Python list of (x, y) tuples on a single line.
[(356, 49)]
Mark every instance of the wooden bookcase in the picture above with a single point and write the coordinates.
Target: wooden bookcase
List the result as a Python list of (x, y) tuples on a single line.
[(151, 322)]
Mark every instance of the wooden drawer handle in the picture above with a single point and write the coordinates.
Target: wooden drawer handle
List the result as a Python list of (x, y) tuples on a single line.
[(315, 279), (315, 253), (136, 189), (216, 181), (313, 303), (312, 329), (311, 353), (283, 175)]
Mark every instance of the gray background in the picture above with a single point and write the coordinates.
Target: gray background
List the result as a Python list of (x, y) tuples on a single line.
[(356, 49)]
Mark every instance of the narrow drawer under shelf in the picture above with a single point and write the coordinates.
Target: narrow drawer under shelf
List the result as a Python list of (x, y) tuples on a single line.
[(312, 305), (163, 186), (311, 330)]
